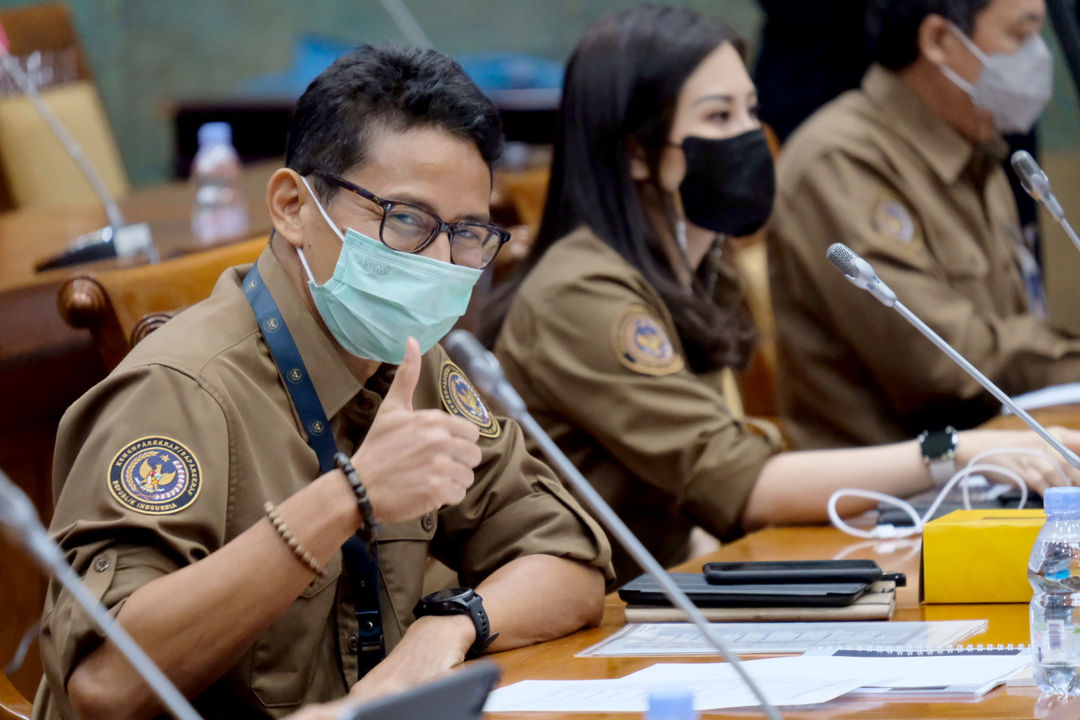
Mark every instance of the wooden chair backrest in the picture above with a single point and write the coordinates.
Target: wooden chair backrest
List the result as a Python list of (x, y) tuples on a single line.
[(35, 168), (46, 26), (526, 191), (121, 306), (13, 706), (757, 384)]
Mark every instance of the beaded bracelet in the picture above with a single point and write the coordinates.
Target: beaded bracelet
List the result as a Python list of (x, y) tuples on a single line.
[(298, 550), (371, 528)]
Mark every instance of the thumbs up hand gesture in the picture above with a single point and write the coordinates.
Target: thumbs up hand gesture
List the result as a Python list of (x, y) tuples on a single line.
[(415, 461)]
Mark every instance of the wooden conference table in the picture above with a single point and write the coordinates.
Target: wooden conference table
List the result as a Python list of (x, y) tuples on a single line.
[(1008, 623), (28, 313)]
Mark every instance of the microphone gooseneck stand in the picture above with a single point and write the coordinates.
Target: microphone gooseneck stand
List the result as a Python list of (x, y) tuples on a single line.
[(1037, 185), (861, 274), (20, 517), (483, 369)]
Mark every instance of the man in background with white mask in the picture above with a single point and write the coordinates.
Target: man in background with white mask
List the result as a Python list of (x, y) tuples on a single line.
[(908, 172), (255, 490)]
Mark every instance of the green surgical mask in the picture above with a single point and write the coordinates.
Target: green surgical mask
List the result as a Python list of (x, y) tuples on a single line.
[(378, 297)]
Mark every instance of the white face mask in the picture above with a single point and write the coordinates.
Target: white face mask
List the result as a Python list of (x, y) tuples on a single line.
[(377, 297), (1014, 88)]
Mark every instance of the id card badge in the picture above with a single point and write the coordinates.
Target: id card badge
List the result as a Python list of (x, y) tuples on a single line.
[(1032, 277)]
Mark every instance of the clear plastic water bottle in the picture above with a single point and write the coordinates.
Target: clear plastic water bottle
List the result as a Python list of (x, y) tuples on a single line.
[(671, 704), (1054, 574), (219, 211)]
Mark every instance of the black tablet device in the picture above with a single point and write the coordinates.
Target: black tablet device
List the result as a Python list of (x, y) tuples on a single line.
[(644, 590), (458, 696), (792, 571)]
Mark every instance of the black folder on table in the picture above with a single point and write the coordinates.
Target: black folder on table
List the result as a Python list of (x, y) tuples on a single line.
[(761, 603), (644, 590)]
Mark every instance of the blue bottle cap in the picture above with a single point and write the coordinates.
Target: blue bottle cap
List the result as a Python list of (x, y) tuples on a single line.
[(671, 704), (215, 133), (1061, 500)]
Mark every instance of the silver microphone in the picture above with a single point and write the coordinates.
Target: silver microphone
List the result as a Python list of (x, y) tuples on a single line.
[(838, 251), (1037, 185), (483, 368), (859, 273), (20, 519)]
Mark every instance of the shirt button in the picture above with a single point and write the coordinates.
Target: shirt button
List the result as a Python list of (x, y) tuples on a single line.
[(427, 522), (367, 405), (353, 644), (101, 565)]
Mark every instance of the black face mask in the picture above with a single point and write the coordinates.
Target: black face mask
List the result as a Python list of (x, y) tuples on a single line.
[(729, 184)]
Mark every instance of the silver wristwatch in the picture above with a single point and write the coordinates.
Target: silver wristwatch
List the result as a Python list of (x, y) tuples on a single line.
[(938, 449)]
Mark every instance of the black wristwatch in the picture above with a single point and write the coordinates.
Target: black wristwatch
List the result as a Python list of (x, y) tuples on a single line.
[(938, 449), (460, 601)]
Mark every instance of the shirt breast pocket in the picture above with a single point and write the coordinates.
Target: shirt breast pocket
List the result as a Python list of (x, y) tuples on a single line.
[(403, 552), (285, 655), (964, 264)]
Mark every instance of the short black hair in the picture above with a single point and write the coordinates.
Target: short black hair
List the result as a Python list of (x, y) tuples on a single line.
[(893, 26), (392, 88)]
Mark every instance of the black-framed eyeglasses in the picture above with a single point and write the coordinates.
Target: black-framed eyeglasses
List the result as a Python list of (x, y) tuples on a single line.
[(410, 229)]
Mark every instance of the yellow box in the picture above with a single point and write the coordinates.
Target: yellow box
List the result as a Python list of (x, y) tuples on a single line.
[(978, 556)]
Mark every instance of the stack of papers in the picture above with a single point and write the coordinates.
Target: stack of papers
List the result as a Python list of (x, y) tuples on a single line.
[(803, 680), (715, 690)]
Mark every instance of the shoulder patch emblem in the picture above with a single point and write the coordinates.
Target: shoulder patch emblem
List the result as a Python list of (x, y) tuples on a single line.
[(892, 219), (460, 398), (642, 345), (155, 476)]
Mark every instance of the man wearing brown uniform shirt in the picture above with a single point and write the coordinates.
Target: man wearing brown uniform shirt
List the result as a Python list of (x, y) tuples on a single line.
[(181, 477), (906, 171)]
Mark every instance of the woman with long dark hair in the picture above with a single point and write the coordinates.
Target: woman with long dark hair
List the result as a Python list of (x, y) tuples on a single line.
[(626, 321)]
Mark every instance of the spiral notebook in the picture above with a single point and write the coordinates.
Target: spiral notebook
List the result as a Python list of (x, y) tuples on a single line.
[(962, 673), (959, 671)]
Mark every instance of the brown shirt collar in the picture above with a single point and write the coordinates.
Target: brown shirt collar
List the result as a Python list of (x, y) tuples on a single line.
[(333, 382), (945, 151)]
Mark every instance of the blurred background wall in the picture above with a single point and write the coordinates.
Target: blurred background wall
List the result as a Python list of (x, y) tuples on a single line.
[(148, 54)]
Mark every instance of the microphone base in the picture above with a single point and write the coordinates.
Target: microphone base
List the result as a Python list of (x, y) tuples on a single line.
[(104, 243)]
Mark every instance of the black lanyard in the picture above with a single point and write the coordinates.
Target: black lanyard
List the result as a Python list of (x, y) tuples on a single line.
[(361, 566)]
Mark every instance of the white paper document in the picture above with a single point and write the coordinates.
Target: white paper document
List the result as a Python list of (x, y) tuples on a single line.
[(631, 696), (1066, 394), (952, 674), (781, 637)]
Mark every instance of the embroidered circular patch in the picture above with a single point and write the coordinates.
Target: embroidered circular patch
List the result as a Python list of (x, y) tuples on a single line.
[(155, 476), (460, 398), (892, 219), (642, 345)]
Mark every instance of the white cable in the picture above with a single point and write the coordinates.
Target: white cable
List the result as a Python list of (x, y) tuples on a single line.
[(879, 532), (910, 546), (883, 532)]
